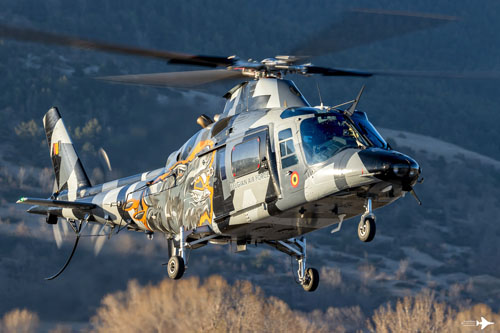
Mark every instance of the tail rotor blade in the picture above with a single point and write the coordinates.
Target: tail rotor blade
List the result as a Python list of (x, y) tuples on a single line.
[(105, 160), (95, 229), (99, 243), (65, 228), (56, 229), (99, 238)]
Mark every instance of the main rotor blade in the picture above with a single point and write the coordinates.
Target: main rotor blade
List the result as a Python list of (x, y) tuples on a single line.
[(364, 26), (480, 75), (327, 71), (176, 79), (32, 35)]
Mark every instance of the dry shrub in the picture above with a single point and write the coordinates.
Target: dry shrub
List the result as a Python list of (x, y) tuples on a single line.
[(421, 313), (403, 267), (338, 320), (187, 305), (19, 321), (216, 306), (475, 313), (46, 179), (331, 276)]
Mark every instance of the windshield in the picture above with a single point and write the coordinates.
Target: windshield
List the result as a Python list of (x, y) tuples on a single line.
[(366, 128), (325, 135)]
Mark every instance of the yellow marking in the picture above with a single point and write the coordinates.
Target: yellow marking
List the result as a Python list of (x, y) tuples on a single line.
[(206, 217), (56, 149)]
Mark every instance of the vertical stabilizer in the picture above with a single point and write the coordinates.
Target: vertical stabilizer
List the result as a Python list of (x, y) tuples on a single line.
[(68, 168)]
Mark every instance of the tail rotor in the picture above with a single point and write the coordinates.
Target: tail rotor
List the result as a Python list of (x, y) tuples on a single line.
[(98, 235)]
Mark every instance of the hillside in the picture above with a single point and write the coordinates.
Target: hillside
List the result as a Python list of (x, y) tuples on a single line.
[(449, 244), (445, 245)]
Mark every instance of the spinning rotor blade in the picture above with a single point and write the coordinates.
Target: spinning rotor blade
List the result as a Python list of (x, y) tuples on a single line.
[(100, 234), (439, 74), (364, 26), (57, 235), (104, 158), (32, 35), (60, 231), (325, 71), (176, 79)]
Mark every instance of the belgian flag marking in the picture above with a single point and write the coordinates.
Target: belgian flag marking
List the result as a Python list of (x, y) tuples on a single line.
[(55, 149), (294, 179)]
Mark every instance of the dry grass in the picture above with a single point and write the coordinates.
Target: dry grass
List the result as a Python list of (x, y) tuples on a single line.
[(19, 321), (188, 306), (421, 313), (216, 306)]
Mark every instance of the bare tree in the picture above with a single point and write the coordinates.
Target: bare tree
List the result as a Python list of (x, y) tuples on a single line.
[(19, 321)]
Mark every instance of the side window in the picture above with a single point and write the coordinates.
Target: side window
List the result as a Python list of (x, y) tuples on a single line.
[(287, 149), (245, 157)]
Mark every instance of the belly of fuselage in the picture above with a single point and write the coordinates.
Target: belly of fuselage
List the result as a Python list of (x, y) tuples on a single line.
[(302, 219)]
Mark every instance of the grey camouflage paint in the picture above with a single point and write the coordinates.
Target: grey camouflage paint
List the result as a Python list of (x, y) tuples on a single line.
[(197, 187)]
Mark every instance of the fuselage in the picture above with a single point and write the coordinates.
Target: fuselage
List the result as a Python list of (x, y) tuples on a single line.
[(262, 175)]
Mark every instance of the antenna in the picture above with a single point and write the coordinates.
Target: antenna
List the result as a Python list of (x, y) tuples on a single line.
[(352, 108), (319, 93)]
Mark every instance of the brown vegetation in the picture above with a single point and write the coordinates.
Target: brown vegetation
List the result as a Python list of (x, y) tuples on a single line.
[(216, 306), (422, 313), (188, 306), (412, 314), (19, 321)]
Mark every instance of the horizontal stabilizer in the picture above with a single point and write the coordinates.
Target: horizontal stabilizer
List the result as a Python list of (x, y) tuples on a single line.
[(57, 203)]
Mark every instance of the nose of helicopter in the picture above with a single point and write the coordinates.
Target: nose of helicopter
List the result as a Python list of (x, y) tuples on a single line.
[(391, 166)]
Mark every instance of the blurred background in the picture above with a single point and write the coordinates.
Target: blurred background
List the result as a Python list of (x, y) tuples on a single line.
[(449, 245)]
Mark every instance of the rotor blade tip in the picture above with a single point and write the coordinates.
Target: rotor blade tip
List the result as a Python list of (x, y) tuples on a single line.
[(405, 13)]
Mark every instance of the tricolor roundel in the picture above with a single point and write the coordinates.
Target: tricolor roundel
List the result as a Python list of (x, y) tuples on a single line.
[(294, 179)]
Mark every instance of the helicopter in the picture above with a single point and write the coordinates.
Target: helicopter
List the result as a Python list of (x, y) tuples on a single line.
[(268, 169)]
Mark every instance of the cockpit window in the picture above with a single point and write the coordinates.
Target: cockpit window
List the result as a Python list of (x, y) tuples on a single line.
[(368, 130), (327, 134), (287, 149)]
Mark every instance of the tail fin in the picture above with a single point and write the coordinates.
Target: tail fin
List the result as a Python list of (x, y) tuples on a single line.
[(68, 168)]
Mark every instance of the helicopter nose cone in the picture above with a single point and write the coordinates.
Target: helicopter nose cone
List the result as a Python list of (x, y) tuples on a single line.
[(391, 166)]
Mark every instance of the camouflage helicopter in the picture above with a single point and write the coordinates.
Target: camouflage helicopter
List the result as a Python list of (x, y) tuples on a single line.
[(268, 169)]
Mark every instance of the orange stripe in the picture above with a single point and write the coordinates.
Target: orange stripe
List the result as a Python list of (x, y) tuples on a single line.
[(194, 152)]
